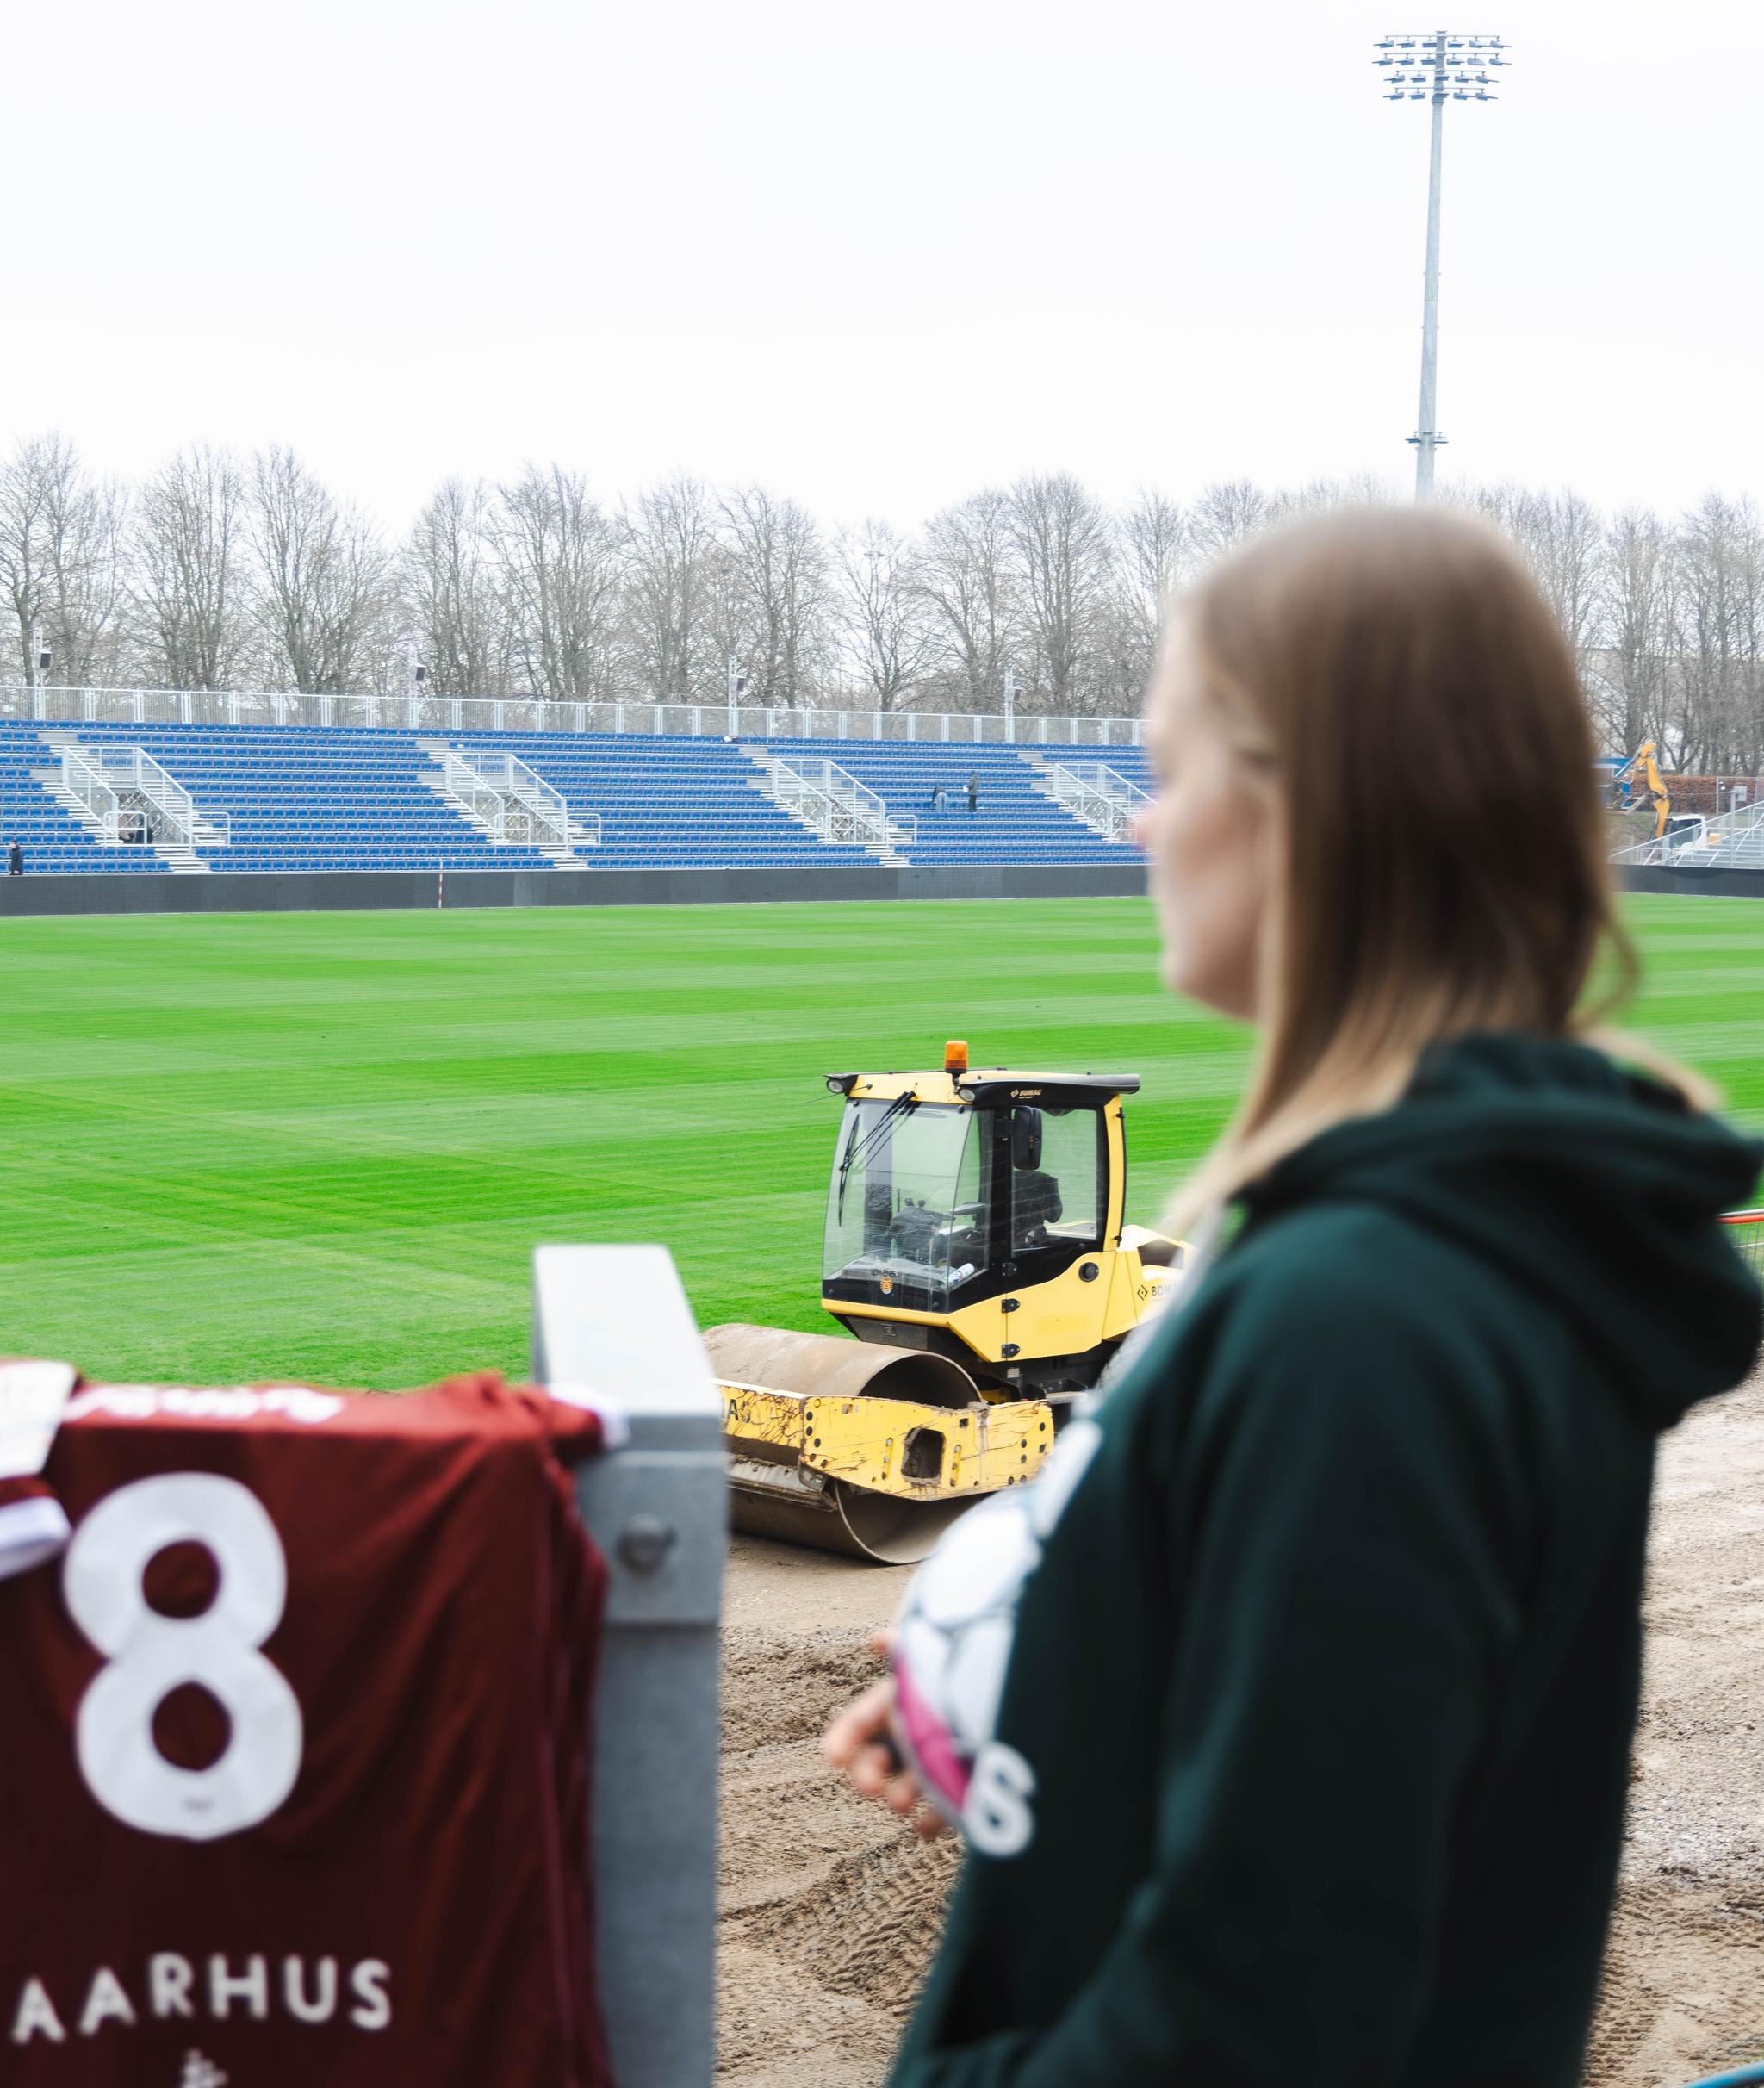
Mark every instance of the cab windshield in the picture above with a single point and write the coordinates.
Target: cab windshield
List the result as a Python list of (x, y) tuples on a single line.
[(909, 1199)]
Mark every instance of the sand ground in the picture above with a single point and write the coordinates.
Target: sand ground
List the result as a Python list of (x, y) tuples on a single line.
[(829, 1907)]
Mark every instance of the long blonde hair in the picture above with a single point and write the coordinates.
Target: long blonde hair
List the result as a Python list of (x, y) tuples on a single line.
[(1397, 683)]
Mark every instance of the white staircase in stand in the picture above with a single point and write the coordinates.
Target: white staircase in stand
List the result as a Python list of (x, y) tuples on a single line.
[(509, 805), (116, 791), (833, 804), (1734, 841), (1106, 801)]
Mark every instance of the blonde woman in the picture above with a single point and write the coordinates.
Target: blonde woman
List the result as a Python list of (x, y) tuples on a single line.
[(1321, 1697)]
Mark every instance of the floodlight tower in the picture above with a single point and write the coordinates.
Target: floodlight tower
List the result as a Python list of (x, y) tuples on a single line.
[(1412, 67)]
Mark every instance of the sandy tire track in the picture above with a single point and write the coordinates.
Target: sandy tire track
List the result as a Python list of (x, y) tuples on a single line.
[(828, 1906)]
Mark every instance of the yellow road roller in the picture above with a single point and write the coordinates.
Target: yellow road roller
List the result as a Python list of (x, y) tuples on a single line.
[(975, 1246)]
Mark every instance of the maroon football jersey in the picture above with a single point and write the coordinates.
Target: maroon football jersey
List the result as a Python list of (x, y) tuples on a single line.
[(294, 1746)]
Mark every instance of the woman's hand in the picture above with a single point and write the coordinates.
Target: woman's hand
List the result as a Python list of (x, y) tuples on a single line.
[(858, 1741)]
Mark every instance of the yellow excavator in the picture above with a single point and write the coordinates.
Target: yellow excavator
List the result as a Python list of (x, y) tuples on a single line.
[(975, 1246), (1641, 771)]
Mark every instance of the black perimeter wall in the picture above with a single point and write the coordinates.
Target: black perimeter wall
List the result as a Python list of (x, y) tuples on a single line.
[(1694, 884), (328, 891), (324, 891)]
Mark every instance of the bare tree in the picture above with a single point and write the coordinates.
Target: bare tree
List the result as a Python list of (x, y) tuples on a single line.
[(1227, 514), (1627, 683), (1065, 557), (889, 634), (561, 556), (780, 594), (325, 576), (1720, 570), (674, 563), (1154, 550), (451, 592), (967, 576), (1562, 540), (62, 561), (191, 591), (1326, 496)]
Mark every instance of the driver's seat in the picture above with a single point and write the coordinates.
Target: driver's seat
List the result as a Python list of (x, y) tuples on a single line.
[(1034, 1205)]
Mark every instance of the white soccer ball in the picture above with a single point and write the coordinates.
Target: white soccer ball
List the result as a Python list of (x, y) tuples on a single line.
[(953, 1636)]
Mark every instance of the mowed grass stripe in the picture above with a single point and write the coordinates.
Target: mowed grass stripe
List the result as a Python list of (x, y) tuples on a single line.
[(326, 1144)]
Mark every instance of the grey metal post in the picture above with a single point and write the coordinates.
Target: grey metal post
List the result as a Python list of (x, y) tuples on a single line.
[(615, 1320), (1427, 434), (1416, 68)]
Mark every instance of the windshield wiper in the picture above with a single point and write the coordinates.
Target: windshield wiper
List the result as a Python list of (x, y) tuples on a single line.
[(858, 1146)]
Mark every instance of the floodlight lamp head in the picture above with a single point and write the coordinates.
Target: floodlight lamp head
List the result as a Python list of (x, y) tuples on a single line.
[(1442, 63)]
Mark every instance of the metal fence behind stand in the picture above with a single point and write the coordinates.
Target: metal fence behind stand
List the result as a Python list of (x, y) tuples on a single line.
[(410, 712), (616, 1320)]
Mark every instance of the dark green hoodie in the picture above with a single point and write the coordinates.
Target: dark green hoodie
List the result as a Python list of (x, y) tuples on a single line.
[(1328, 1676)]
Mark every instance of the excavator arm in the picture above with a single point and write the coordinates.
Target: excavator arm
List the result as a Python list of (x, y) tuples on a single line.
[(1656, 790)]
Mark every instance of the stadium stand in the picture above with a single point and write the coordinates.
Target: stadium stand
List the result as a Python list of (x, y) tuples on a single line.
[(1016, 822), (315, 798)]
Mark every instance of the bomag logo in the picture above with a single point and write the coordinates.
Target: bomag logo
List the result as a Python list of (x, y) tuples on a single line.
[(1024, 1094)]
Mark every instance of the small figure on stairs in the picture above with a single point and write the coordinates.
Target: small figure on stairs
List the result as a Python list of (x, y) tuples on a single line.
[(14, 859)]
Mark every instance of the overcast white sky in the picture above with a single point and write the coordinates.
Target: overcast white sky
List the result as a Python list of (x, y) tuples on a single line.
[(878, 256)]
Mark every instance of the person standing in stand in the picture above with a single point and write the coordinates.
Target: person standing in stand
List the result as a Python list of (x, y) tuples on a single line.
[(14, 859), (973, 792), (1298, 1702)]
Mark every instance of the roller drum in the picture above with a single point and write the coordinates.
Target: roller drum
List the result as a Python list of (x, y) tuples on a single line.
[(826, 1366), (801, 1507), (839, 1518)]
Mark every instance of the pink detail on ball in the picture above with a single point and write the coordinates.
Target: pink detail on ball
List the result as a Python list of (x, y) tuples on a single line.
[(930, 1747)]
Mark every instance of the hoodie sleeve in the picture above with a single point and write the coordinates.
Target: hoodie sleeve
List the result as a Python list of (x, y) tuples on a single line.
[(1340, 1548)]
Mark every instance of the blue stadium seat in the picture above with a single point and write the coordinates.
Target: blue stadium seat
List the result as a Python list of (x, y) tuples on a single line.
[(308, 797)]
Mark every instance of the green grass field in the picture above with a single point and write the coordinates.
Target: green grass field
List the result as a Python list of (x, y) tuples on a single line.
[(325, 1144)]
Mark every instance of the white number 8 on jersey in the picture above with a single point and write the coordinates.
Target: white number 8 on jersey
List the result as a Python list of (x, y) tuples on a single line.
[(150, 1655)]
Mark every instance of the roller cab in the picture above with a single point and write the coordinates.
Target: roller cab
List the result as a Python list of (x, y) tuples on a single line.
[(978, 1214)]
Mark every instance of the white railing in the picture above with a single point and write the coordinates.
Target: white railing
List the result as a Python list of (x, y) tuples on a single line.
[(111, 782), (831, 803), (1734, 841), (1107, 803), (414, 713), (87, 787), (503, 795)]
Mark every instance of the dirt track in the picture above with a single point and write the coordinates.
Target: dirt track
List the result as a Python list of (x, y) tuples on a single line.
[(829, 1908)]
